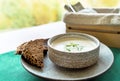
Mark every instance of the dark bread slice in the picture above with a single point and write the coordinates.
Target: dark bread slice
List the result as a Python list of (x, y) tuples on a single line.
[(33, 51)]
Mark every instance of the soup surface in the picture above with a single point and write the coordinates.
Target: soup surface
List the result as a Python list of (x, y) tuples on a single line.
[(73, 44)]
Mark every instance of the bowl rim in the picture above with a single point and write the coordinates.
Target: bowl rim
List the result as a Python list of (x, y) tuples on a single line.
[(74, 33)]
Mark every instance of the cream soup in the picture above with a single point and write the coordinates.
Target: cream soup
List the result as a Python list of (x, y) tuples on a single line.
[(73, 44)]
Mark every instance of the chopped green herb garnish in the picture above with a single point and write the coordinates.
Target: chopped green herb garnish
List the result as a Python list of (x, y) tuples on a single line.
[(73, 47)]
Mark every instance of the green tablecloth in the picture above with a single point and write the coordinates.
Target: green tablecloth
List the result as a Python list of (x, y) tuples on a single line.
[(12, 70)]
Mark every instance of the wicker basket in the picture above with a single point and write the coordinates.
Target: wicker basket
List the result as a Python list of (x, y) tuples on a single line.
[(104, 25)]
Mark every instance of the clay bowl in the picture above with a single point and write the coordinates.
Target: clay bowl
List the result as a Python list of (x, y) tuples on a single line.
[(73, 50)]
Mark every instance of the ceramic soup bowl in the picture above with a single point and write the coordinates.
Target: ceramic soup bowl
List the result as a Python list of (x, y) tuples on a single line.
[(73, 50)]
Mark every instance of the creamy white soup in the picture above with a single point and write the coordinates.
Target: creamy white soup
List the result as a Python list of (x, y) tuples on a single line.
[(74, 44)]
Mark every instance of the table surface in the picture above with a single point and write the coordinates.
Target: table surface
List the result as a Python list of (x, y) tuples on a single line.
[(10, 65), (11, 39)]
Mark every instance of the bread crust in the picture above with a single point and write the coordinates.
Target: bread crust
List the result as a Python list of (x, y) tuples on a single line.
[(33, 51)]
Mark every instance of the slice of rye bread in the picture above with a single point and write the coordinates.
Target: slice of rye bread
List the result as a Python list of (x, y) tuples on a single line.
[(33, 51)]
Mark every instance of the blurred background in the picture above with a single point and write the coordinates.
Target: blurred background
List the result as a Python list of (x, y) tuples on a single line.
[(15, 14)]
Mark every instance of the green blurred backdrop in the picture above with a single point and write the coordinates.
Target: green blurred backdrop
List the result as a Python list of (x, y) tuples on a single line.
[(26, 13), (16, 14)]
